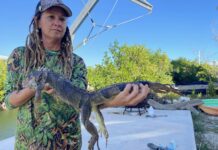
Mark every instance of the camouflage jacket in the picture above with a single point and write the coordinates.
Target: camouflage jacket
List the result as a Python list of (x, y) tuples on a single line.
[(52, 124)]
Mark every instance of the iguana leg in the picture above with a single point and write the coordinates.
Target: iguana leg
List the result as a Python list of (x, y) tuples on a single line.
[(100, 120), (85, 115)]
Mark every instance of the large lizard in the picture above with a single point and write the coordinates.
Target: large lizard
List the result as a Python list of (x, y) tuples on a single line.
[(84, 100)]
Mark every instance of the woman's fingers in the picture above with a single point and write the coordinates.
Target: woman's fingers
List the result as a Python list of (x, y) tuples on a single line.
[(134, 92), (127, 89), (140, 96), (131, 95), (48, 89)]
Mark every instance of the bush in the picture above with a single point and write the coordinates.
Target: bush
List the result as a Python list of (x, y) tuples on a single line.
[(211, 91), (2, 78)]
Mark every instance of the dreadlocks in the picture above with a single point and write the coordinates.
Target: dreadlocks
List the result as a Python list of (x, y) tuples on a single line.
[(35, 51)]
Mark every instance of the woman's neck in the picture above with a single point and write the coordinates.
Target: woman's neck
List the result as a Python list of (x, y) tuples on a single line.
[(54, 45)]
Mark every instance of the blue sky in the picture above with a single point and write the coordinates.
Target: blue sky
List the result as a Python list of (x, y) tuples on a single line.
[(180, 28)]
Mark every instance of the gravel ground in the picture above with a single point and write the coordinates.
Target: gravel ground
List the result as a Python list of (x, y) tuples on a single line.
[(211, 126), (206, 131)]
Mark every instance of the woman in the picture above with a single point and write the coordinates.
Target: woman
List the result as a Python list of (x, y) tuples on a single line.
[(48, 123)]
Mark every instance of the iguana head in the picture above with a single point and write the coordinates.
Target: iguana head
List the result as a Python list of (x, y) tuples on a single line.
[(36, 80)]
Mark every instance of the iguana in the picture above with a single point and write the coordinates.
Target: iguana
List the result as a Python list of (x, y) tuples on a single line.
[(84, 100)]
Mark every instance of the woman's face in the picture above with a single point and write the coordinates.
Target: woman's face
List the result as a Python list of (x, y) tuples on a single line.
[(53, 24)]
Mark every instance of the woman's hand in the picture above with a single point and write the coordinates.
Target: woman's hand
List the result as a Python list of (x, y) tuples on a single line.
[(130, 96), (48, 89)]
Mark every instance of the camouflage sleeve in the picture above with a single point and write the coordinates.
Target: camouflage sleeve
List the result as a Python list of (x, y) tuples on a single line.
[(79, 73), (14, 74)]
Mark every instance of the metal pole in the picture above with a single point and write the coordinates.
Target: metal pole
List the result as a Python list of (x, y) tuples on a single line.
[(81, 17), (144, 4)]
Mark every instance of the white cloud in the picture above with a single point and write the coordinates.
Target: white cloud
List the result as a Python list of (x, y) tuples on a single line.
[(3, 57)]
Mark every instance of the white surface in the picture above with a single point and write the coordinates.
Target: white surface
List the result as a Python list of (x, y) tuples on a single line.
[(7, 144), (131, 131)]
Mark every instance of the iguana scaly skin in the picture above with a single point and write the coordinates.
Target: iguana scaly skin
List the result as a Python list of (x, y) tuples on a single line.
[(84, 100)]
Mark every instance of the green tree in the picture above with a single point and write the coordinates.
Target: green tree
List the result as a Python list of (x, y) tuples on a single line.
[(207, 73), (2, 78), (188, 72), (130, 63)]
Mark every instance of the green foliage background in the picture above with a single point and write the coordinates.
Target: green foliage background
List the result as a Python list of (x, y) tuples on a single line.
[(188, 72), (2, 78), (130, 63), (133, 63)]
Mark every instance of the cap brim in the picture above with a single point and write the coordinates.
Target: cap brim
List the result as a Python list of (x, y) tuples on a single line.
[(65, 8)]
